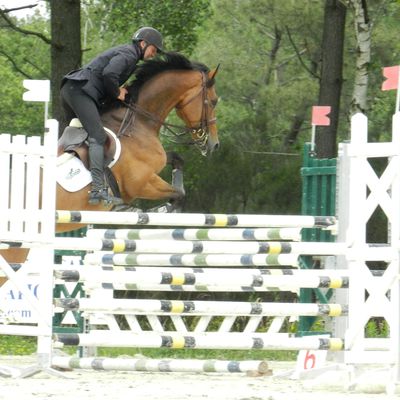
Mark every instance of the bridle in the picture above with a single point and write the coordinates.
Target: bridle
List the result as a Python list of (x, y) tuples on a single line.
[(199, 132)]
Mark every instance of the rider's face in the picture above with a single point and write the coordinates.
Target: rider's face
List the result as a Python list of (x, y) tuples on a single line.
[(150, 52)]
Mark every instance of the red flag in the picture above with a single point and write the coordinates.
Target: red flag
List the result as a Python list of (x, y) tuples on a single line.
[(392, 77), (320, 115)]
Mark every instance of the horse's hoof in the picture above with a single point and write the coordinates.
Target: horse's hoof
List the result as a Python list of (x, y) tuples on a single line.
[(113, 201), (165, 208), (162, 209), (95, 196), (94, 202)]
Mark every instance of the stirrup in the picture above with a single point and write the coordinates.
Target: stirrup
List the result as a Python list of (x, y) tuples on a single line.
[(96, 196)]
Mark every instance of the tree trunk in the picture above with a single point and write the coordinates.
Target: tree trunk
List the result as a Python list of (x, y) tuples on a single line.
[(331, 75), (362, 24), (66, 53)]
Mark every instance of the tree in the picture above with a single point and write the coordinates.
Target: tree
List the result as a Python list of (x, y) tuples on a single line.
[(64, 42), (331, 75), (362, 27), (27, 59), (66, 52)]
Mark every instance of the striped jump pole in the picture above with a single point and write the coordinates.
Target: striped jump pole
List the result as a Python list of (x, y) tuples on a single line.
[(191, 340), (185, 247), (160, 365), (220, 308), (200, 279), (292, 234), (212, 260), (222, 260), (192, 219), (158, 246), (200, 246)]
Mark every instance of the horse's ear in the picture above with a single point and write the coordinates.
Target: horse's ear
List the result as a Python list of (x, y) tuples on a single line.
[(211, 76), (213, 72)]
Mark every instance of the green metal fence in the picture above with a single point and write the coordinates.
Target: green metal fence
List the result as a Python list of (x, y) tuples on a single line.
[(319, 192), (318, 198), (62, 290)]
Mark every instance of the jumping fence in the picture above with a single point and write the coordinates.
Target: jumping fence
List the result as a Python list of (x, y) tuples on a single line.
[(123, 260)]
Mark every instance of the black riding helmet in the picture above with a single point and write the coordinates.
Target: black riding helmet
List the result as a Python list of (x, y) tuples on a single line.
[(150, 36)]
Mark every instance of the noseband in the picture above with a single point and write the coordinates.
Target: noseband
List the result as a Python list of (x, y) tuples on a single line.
[(199, 133)]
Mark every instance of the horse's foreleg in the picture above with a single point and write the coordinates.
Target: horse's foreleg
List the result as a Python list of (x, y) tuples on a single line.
[(176, 163), (157, 189)]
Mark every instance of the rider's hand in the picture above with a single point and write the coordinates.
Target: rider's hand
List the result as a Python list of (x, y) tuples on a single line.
[(122, 93)]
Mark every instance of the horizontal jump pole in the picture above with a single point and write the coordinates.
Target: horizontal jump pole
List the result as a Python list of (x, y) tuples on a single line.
[(186, 307), (200, 246), (201, 278), (157, 246), (191, 340), (333, 278), (159, 365), (187, 288), (193, 219), (212, 260), (293, 234)]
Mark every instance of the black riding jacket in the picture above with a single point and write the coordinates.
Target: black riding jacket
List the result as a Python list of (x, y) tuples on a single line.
[(108, 71)]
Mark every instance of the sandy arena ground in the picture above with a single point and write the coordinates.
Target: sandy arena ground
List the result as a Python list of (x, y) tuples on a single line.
[(98, 385)]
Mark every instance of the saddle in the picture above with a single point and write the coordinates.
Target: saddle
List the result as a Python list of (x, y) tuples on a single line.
[(74, 140)]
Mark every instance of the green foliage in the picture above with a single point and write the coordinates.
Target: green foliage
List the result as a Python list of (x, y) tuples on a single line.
[(17, 345), (178, 20), (17, 116), (22, 59), (20, 346), (377, 328), (259, 96), (199, 354)]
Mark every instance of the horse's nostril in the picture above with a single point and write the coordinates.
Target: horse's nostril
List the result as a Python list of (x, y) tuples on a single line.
[(216, 146)]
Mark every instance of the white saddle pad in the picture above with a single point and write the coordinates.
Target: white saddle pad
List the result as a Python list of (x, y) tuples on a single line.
[(71, 173)]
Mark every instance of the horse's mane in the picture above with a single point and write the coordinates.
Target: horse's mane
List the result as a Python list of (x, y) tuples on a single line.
[(148, 69), (167, 62)]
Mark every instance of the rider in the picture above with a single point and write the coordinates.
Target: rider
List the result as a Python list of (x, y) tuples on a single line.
[(83, 90)]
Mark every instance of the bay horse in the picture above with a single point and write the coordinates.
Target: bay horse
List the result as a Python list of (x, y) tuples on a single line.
[(161, 85)]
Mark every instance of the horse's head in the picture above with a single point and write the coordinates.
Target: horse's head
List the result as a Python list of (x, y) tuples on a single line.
[(174, 81), (197, 110)]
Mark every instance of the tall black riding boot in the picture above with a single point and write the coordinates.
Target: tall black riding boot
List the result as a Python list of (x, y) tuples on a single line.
[(99, 192)]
